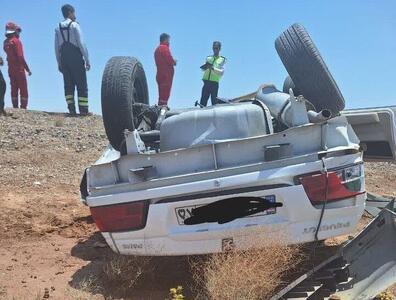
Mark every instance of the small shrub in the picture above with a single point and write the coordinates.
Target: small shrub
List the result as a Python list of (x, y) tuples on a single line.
[(74, 294), (125, 270), (176, 293), (90, 285), (250, 274)]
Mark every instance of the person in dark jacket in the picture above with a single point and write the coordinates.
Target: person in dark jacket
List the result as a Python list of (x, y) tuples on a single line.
[(73, 61), (2, 90), (165, 69)]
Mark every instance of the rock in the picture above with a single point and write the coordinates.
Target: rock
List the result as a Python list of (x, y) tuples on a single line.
[(46, 293), (27, 214)]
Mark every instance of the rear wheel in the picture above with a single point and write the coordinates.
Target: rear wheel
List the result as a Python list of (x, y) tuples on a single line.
[(123, 84), (307, 69)]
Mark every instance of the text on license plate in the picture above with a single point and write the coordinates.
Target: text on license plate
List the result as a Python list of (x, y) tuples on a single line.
[(184, 212)]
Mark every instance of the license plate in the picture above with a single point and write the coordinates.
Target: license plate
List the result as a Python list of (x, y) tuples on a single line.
[(184, 212)]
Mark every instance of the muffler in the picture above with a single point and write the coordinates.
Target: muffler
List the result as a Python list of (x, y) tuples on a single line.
[(317, 117), (290, 110)]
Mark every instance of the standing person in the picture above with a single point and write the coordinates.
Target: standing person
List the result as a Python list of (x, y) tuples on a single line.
[(16, 65), (2, 90), (213, 71), (165, 69), (73, 61)]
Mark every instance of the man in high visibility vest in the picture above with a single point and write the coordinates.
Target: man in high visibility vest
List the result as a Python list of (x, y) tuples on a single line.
[(73, 61), (213, 71)]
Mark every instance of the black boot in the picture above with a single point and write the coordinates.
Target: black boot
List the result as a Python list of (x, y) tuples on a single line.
[(72, 110), (84, 111)]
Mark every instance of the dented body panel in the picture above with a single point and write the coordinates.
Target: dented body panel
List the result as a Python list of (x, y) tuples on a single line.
[(176, 181)]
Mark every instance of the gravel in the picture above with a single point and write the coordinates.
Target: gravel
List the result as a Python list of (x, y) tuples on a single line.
[(39, 148)]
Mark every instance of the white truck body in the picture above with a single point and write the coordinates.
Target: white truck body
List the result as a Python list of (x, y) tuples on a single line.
[(170, 184)]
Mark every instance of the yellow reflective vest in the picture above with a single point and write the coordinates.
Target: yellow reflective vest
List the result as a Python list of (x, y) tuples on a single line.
[(215, 73)]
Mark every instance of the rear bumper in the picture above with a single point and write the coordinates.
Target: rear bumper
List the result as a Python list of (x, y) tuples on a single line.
[(295, 222)]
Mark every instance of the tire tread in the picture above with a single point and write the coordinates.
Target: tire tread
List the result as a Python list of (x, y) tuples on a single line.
[(117, 96), (308, 70)]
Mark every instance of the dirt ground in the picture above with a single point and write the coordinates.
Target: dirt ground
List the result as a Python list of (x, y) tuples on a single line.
[(49, 245)]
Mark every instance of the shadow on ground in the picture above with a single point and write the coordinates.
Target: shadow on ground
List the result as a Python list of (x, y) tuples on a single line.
[(130, 277), (158, 274)]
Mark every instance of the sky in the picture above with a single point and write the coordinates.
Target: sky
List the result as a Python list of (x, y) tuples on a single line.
[(357, 40)]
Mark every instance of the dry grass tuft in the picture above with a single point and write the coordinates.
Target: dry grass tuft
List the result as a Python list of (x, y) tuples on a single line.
[(73, 294), (386, 295), (90, 284), (126, 270), (86, 289), (250, 274)]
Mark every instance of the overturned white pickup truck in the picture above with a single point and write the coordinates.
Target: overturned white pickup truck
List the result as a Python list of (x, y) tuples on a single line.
[(202, 180)]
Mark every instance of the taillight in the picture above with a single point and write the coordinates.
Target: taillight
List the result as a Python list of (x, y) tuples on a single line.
[(120, 217), (335, 185)]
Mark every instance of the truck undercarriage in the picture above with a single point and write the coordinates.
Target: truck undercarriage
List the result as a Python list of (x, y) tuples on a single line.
[(197, 180)]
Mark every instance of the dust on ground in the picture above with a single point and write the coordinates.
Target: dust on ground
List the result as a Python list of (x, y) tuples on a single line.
[(49, 245)]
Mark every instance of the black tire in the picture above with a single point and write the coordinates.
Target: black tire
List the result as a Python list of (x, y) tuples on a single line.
[(123, 83), (307, 69), (289, 84), (84, 186)]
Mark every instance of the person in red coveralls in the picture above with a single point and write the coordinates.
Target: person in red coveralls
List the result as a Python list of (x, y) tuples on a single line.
[(165, 69), (16, 65)]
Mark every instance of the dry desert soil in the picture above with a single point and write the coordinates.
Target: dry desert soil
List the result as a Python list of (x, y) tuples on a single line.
[(49, 245)]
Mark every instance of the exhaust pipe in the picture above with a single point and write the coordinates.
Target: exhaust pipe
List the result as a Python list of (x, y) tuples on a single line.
[(317, 117)]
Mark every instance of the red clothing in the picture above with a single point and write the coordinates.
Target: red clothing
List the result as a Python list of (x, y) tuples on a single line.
[(165, 70), (14, 49), (164, 89), (16, 70), (19, 83)]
